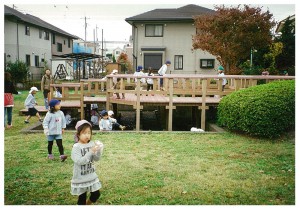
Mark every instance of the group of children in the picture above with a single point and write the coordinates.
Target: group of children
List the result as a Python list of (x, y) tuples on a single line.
[(148, 81), (105, 120), (84, 151)]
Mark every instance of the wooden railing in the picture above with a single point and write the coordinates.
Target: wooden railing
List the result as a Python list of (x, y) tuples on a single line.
[(185, 86), (203, 86)]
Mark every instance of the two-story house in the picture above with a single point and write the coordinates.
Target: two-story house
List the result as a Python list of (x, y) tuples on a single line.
[(166, 34), (28, 38)]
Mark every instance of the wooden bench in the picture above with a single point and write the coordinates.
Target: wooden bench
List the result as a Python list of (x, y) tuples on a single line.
[(41, 109)]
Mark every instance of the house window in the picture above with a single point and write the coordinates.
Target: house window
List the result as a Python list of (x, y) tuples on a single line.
[(207, 63), (59, 47), (153, 60), (27, 60), (27, 30), (154, 30), (117, 52), (53, 38), (46, 35), (69, 42), (36, 60), (40, 33), (178, 62), (64, 42)]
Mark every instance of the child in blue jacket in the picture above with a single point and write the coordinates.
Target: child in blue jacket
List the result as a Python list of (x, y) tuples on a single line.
[(54, 124)]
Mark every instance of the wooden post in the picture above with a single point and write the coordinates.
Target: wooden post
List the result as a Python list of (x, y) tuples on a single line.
[(237, 84), (138, 105), (170, 107), (108, 94), (51, 93), (193, 88), (81, 100), (203, 107)]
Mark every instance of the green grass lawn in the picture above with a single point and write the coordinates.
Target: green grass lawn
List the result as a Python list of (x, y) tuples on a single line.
[(153, 168)]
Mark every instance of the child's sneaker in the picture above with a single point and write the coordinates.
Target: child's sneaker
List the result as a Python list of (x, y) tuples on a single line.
[(123, 127), (50, 157), (63, 158), (26, 121)]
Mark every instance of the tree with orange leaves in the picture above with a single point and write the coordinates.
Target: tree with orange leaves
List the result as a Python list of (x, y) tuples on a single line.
[(231, 33), (124, 61)]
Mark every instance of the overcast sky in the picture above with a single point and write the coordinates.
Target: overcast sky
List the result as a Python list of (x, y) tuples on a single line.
[(111, 17)]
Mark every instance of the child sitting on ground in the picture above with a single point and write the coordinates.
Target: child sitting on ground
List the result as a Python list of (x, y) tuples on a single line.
[(105, 122), (94, 117), (115, 124), (68, 117)]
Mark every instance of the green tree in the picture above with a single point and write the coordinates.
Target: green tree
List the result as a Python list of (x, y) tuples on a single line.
[(18, 70), (286, 60), (231, 33), (275, 50)]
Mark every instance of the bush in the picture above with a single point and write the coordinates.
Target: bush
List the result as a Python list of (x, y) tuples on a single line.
[(264, 110), (18, 71)]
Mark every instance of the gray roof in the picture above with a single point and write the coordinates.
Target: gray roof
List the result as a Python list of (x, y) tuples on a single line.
[(185, 13), (27, 18)]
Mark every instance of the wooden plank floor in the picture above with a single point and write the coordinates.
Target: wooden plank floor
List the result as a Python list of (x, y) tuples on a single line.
[(130, 99)]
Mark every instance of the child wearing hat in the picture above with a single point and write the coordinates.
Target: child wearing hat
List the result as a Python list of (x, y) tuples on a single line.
[(30, 104), (221, 74), (105, 123), (54, 125), (84, 153)]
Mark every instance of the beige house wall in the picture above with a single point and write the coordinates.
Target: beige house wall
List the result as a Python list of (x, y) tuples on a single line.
[(177, 40)]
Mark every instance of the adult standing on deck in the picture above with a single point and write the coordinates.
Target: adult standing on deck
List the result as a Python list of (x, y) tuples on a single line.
[(47, 79), (162, 71)]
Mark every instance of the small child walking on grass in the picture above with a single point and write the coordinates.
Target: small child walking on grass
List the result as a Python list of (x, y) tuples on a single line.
[(30, 104), (84, 153), (54, 125)]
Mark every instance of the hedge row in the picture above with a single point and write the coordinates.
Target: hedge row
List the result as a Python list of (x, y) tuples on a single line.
[(263, 110)]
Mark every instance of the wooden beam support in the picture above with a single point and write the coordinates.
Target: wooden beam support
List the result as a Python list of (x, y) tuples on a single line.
[(170, 118), (204, 86), (138, 105)]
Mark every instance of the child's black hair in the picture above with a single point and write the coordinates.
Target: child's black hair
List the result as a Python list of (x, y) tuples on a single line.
[(81, 128), (52, 110)]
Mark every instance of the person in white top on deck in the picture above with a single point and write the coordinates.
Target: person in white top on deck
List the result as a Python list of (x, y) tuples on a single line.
[(162, 71), (221, 74)]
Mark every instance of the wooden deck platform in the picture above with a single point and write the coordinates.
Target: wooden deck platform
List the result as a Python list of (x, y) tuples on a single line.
[(178, 90), (130, 99)]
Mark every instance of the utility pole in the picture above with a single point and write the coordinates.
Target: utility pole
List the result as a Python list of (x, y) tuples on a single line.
[(102, 51), (94, 53), (85, 26)]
